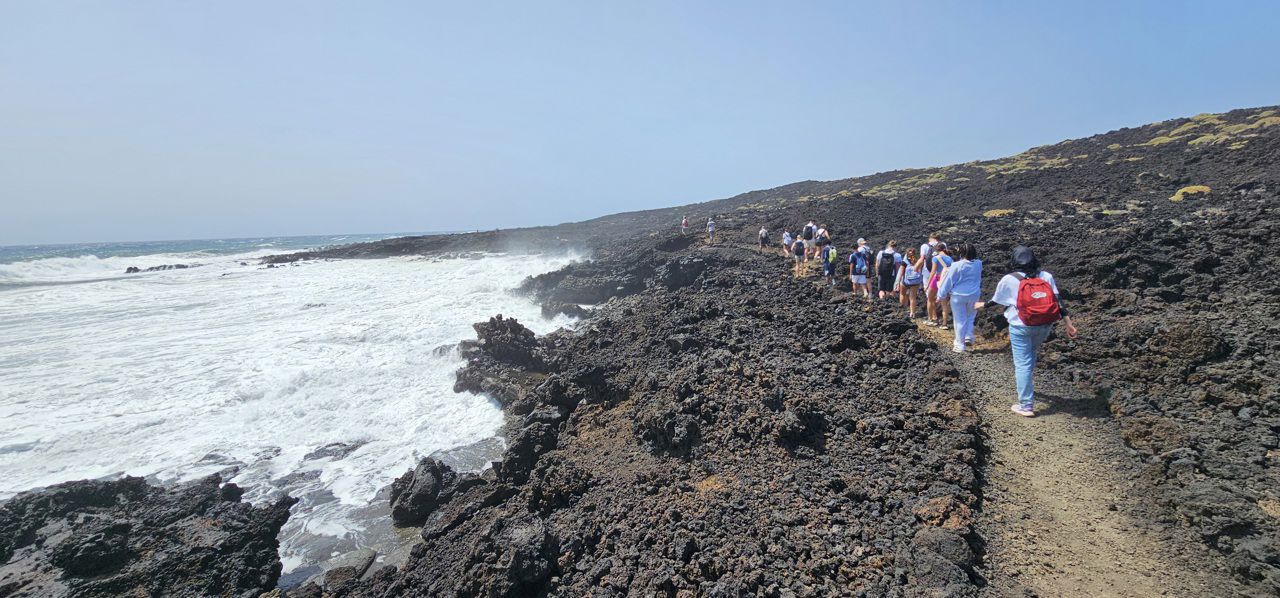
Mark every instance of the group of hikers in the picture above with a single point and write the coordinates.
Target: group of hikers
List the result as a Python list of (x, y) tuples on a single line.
[(950, 279)]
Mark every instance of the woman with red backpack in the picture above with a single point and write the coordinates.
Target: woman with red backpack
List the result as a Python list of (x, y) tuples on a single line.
[(1032, 306)]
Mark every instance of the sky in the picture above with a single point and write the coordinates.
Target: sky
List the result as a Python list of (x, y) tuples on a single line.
[(140, 120)]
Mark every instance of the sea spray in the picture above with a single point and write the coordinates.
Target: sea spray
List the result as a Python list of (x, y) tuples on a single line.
[(322, 379)]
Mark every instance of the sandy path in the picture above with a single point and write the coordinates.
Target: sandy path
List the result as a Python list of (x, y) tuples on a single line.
[(1060, 515)]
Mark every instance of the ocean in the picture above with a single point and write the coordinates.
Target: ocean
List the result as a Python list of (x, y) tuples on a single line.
[(325, 379)]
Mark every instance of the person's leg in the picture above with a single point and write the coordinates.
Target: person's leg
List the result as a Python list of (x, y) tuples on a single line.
[(963, 306), (957, 311), (970, 317), (1023, 364)]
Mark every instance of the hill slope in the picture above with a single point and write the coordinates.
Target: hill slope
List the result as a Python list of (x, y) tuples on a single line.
[(722, 378)]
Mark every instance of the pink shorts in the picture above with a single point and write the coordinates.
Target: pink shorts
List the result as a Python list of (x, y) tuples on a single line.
[(933, 282)]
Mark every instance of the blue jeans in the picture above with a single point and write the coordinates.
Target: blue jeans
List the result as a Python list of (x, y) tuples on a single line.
[(1026, 341), (963, 313)]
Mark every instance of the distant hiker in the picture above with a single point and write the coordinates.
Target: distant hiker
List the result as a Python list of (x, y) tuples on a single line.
[(823, 233), (939, 311), (808, 234), (1032, 305), (859, 268), (911, 279), (886, 269), (786, 242), (711, 230), (829, 257), (926, 250), (684, 226), (961, 285), (926, 259), (764, 238), (926, 253), (798, 252)]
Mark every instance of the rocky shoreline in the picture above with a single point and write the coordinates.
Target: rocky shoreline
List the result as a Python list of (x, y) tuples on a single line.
[(649, 476), (126, 537), (717, 427)]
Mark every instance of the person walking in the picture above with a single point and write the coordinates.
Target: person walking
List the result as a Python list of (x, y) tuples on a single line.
[(764, 238), (926, 254), (829, 261), (961, 285), (711, 231), (786, 243), (910, 280), (798, 252), (926, 250), (886, 269), (684, 226), (938, 311), (859, 268), (1032, 306), (808, 234)]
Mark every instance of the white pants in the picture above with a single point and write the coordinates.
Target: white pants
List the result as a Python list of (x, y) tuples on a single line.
[(962, 310)]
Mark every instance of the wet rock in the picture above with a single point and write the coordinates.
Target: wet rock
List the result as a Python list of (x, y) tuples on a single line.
[(418, 492), (508, 341), (335, 451), (125, 537), (95, 548), (551, 309)]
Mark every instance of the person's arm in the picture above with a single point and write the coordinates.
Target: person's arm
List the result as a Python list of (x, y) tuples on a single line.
[(994, 297), (946, 284), (1071, 328)]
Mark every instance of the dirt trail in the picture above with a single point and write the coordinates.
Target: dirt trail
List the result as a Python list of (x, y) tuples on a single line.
[(1060, 514)]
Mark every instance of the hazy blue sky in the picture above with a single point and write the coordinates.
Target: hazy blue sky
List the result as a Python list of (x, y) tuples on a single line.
[(141, 120)]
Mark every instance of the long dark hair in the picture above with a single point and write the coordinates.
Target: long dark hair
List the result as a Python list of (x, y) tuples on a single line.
[(967, 251)]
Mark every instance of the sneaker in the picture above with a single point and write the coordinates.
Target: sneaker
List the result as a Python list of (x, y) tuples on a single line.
[(957, 349), (1016, 408), (968, 341)]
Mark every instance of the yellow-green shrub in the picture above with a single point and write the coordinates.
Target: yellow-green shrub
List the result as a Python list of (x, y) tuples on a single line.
[(1185, 192)]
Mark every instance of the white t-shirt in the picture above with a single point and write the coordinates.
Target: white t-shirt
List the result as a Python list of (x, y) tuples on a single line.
[(1007, 295)]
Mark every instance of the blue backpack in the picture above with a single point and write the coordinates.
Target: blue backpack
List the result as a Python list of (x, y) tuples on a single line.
[(859, 262)]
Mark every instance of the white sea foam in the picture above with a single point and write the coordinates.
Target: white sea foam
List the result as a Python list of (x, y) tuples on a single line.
[(92, 267), (177, 374)]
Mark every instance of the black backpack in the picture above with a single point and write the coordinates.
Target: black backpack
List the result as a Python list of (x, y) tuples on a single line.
[(808, 232), (887, 264), (928, 257)]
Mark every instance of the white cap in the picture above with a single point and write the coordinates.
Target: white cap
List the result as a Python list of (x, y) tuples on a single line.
[(862, 241)]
